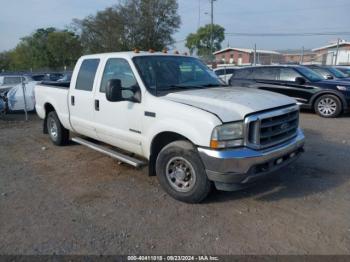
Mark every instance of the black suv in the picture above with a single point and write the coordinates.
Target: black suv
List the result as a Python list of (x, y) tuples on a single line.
[(329, 98), (329, 72)]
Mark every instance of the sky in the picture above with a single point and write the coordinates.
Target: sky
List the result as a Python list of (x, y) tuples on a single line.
[(19, 18)]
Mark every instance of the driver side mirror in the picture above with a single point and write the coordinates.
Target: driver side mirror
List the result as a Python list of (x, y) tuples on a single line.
[(329, 77), (116, 93), (114, 90), (300, 80)]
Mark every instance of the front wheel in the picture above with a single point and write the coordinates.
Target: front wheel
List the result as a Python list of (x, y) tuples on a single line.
[(58, 134), (328, 106), (181, 173)]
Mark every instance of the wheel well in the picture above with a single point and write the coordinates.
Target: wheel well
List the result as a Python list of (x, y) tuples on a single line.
[(158, 142), (48, 108), (327, 93)]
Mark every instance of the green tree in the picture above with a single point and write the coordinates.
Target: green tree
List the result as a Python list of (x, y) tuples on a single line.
[(201, 40), (46, 49), (101, 32), (135, 23), (35, 49), (64, 49), (5, 61), (21, 57)]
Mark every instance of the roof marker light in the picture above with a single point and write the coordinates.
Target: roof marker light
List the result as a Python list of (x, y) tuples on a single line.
[(136, 50), (165, 51)]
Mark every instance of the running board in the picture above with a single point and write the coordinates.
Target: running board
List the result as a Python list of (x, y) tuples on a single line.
[(109, 152)]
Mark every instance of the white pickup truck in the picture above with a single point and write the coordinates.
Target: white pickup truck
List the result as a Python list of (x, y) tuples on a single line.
[(174, 114)]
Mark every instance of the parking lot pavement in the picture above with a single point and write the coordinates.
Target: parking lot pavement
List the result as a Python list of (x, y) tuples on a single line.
[(72, 200)]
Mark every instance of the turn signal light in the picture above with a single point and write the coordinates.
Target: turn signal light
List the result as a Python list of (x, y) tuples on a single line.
[(214, 144)]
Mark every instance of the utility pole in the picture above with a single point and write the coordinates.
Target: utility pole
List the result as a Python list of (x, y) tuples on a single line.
[(336, 56), (254, 54), (24, 97), (212, 27), (302, 56)]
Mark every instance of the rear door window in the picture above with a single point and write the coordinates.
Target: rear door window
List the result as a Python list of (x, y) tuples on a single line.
[(86, 75), (288, 74), (265, 73)]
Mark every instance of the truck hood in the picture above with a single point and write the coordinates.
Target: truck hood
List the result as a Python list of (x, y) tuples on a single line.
[(230, 103)]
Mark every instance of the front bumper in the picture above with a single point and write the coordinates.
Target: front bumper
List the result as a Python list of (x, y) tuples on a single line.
[(237, 168)]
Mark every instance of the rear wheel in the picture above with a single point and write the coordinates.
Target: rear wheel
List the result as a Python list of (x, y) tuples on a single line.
[(181, 173), (328, 106), (58, 134)]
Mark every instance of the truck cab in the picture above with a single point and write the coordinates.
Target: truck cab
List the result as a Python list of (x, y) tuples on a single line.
[(174, 114)]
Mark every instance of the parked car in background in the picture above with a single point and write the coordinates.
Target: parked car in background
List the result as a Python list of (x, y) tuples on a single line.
[(14, 95), (16, 100), (9, 81), (329, 98), (344, 69), (173, 113), (225, 73), (329, 72)]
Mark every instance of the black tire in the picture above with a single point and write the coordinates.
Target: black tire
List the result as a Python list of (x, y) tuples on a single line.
[(330, 100), (59, 136), (183, 151)]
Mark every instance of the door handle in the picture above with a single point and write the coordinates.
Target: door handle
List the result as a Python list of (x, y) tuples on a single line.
[(97, 105), (72, 100)]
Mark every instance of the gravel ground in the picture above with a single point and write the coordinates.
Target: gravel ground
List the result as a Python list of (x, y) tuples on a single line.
[(72, 200)]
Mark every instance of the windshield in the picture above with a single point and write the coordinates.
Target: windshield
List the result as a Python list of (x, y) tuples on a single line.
[(337, 73), (171, 73), (311, 75)]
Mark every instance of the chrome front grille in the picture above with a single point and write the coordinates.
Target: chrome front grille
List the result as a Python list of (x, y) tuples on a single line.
[(271, 128)]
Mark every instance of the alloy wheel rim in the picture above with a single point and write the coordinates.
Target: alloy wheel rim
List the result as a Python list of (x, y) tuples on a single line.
[(53, 128), (327, 106), (180, 174)]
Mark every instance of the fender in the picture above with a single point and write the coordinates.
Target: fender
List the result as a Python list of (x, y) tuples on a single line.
[(194, 135)]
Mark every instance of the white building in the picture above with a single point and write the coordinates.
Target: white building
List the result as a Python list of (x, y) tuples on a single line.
[(327, 55)]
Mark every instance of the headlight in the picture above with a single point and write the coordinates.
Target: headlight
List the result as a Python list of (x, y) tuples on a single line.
[(227, 135), (343, 88)]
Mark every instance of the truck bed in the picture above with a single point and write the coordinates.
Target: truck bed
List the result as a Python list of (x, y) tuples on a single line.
[(56, 95)]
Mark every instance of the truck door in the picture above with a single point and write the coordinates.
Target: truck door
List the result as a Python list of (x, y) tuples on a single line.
[(81, 98), (118, 123)]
